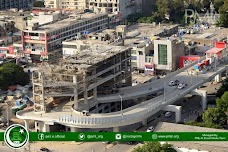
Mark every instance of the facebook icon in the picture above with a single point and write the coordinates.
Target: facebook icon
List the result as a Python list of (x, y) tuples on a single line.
[(41, 136)]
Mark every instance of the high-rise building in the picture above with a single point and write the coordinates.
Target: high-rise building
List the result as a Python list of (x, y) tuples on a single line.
[(19, 4)]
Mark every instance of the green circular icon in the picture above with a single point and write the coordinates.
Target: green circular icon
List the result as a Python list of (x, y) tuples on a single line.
[(16, 136), (154, 136)]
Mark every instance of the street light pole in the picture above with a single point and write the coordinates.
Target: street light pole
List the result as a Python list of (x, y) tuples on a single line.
[(7, 115), (121, 106), (164, 91)]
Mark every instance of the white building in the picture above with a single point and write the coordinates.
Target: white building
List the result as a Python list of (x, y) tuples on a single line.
[(126, 7), (166, 54)]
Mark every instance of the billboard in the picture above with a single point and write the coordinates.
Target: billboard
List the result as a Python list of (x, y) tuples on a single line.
[(186, 60)]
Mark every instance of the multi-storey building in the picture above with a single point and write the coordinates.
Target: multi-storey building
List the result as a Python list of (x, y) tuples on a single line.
[(44, 42), (97, 70), (126, 7), (167, 53), (19, 4), (67, 4)]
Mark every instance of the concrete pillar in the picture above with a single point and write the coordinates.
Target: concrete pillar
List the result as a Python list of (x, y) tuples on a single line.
[(218, 78), (178, 114), (42, 90), (85, 90), (26, 124), (36, 126), (95, 93), (176, 109), (116, 129), (74, 129), (204, 99), (144, 122), (85, 97), (203, 94), (46, 128), (75, 93)]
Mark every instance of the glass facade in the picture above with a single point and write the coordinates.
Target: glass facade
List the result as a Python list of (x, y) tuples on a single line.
[(162, 54)]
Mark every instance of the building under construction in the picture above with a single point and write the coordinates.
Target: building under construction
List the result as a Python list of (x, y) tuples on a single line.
[(78, 79)]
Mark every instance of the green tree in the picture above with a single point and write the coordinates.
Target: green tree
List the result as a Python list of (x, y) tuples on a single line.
[(163, 9), (218, 4), (154, 147), (12, 74), (223, 88), (223, 11), (38, 4), (214, 116), (222, 103)]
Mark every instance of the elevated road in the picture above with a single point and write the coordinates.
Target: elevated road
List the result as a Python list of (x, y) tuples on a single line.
[(135, 113)]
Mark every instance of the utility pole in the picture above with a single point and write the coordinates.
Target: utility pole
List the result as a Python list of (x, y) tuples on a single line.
[(121, 106), (164, 91)]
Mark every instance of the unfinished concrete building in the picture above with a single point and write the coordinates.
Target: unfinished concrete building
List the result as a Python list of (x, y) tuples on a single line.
[(80, 78)]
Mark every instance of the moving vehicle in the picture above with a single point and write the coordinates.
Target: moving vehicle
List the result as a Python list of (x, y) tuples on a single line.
[(150, 129), (174, 83), (181, 86), (44, 149), (168, 114)]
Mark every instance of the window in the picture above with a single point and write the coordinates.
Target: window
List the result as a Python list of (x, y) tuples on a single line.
[(70, 46), (133, 57), (162, 54), (140, 53)]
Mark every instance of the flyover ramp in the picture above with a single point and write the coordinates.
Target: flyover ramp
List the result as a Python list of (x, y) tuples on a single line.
[(130, 115)]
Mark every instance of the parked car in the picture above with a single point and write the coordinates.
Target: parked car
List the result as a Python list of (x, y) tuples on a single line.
[(131, 142), (174, 83), (181, 86), (168, 114), (150, 129), (2, 98), (44, 149)]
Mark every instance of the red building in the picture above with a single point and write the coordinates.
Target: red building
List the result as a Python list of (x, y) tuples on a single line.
[(216, 52), (185, 60)]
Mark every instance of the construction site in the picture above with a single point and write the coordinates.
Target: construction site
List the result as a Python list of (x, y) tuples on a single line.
[(77, 80)]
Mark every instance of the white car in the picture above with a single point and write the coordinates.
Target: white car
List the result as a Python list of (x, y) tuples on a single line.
[(150, 129), (181, 86), (168, 114)]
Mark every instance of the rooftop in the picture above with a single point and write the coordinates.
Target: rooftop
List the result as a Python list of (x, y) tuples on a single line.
[(68, 21), (208, 34), (150, 29), (214, 50), (93, 55)]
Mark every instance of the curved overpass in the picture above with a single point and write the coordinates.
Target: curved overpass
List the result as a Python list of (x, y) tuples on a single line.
[(133, 114)]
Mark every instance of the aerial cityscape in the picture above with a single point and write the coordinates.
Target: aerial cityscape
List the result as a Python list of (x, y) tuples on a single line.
[(151, 73)]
